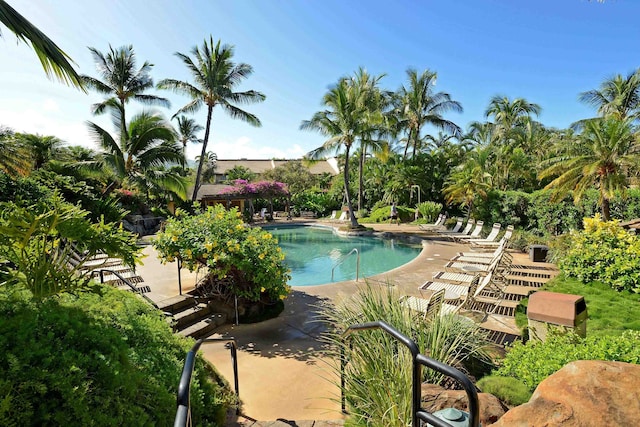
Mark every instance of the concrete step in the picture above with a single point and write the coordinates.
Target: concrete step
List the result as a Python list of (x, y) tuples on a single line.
[(204, 327), (190, 315), (176, 304)]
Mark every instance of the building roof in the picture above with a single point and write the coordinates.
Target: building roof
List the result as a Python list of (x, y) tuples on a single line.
[(210, 190), (260, 166)]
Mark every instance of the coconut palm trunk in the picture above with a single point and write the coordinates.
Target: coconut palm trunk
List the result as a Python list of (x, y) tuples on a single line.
[(205, 142)]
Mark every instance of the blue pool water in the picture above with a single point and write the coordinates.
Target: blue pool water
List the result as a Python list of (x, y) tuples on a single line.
[(312, 252)]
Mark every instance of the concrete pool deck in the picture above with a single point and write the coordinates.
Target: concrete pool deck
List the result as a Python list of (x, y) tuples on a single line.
[(282, 373)]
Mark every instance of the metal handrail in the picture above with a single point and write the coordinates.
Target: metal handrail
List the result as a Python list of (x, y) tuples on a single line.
[(344, 258), (133, 287), (419, 360), (183, 411)]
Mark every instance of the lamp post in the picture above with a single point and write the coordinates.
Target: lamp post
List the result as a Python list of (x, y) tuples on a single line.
[(411, 195)]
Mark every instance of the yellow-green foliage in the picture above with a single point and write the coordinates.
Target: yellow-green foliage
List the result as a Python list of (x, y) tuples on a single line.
[(218, 239), (603, 251), (510, 390)]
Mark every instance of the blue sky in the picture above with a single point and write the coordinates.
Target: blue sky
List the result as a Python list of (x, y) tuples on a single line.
[(547, 51)]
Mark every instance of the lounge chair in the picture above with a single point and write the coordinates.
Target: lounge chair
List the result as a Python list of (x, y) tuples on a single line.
[(474, 234), (456, 228), (482, 258), (333, 215), (482, 269), (430, 307), (491, 237), (438, 224), (490, 245), (343, 216), (460, 296), (465, 232)]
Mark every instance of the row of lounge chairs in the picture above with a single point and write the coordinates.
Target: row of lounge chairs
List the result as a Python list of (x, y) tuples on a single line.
[(472, 280)]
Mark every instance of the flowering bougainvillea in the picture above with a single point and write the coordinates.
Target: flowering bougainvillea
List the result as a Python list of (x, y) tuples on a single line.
[(217, 238), (263, 189)]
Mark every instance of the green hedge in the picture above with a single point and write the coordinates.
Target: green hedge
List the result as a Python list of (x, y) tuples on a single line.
[(97, 359)]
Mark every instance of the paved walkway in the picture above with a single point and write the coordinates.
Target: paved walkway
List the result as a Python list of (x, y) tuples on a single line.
[(282, 374)]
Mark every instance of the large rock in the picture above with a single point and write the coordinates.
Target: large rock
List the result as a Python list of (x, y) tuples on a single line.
[(435, 398), (583, 393)]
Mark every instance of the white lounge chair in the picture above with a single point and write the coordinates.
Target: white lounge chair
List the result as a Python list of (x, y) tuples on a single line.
[(343, 216), (429, 307), (474, 234), (333, 215), (482, 258), (438, 224), (491, 237), (490, 245), (456, 228), (465, 232)]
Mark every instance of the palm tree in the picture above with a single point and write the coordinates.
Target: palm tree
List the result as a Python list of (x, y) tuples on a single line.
[(209, 168), (42, 149), (470, 179), (121, 82), (55, 62), (605, 154), (187, 130), (341, 122), (374, 103), (508, 114), (617, 97), (135, 158), (420, 106), (216, 77)]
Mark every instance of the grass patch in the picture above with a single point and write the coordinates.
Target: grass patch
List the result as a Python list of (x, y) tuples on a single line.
[(610, 312), (511, 391)]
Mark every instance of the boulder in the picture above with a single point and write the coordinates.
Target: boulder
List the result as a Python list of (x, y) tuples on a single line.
[(435, 398), (583, 393)]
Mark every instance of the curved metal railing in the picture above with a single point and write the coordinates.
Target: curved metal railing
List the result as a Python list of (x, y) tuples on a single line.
[(344, 258), (419, 360), (183, 411), (133, 287)]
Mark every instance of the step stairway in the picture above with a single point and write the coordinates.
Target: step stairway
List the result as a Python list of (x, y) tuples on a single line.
[(191, 318)]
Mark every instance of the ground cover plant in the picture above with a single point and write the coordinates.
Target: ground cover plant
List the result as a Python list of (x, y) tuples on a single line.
[(100, 358), (374, 357)]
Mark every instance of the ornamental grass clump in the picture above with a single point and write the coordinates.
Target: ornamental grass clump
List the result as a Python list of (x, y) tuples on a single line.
[(379, 369), (246, 260)]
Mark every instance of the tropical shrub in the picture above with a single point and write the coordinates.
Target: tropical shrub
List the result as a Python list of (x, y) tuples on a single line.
[(218, 239), (603, 251), (35, 243), (429, 210), (314, 200), (384, 213), (374, 356), (534, 361), (100, 358), (509, 390)]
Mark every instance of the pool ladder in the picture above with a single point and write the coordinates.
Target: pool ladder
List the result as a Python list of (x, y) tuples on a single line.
[(343, 259)]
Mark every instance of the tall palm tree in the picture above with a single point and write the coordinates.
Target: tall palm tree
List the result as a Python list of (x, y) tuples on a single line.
[(121, 82), (508, 114), (419, 106), (136, 158), (55, 62), (42, 149), (617, 97), (341, 122), (374, 105), (605, 154), (187, 132), (216, 77)]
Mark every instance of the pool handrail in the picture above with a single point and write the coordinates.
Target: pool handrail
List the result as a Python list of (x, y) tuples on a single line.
[(344, 258)]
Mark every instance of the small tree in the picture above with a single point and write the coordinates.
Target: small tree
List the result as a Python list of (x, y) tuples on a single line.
[(246, 261)]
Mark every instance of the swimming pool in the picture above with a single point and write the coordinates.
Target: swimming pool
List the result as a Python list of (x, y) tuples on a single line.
[(312, 252)]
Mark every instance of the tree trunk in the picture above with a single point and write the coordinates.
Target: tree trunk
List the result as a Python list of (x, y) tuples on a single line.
[(361, 178), (352, 217), (606, 212), (205, 141)]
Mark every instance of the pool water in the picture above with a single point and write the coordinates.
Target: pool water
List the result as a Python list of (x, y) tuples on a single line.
[(312, 252)]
